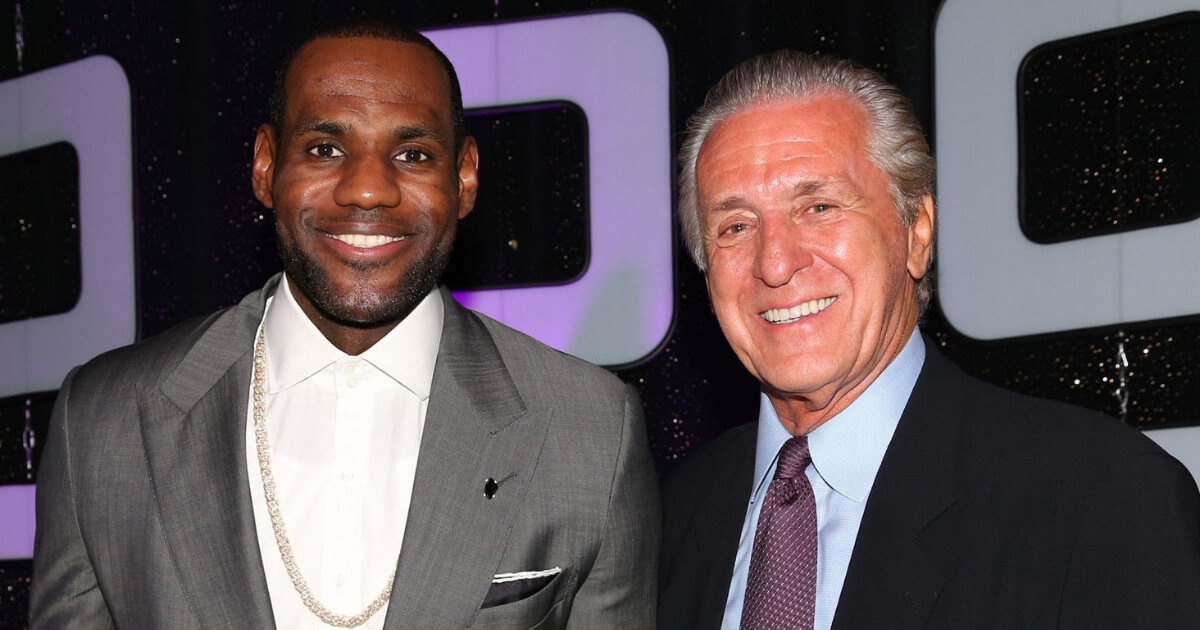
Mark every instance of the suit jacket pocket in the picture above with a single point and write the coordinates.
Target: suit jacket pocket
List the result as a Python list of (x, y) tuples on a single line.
[(538, 609)]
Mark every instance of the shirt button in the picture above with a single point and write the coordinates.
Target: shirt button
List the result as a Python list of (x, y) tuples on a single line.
[(349, 369), (352, 381), (338, 579), (347, 475)]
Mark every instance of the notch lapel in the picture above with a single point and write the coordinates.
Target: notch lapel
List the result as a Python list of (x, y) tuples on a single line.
[(701, 568), (476, 427), (895, 576), (731, 498), (193, 432)]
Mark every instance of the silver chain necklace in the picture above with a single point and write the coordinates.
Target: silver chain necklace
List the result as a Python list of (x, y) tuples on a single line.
[(281, 538)]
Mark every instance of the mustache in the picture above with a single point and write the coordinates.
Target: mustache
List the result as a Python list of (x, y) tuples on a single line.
[(406, 222)]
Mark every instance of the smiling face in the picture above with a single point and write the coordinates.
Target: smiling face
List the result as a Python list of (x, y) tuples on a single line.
[(809, 268), (365, 184)]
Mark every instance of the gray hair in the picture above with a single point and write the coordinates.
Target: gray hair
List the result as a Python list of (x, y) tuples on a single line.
[(895, 144)]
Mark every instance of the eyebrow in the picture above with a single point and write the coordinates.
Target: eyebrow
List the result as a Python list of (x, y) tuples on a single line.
[(808, 187), (801, 189), (419, 130), (400, 134), (327, 127), (726, 204)]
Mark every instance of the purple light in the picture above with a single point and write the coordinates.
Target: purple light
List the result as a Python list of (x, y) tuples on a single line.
[(16, 522), (621, 309)]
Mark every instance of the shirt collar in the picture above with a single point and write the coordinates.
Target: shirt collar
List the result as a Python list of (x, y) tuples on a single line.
[(848, 449), (297, 350)]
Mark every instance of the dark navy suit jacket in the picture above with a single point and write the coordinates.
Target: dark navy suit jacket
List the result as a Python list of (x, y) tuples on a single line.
[(991, 510)]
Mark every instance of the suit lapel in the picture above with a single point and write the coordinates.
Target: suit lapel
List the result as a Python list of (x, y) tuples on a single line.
[(476, 427), (716, 544), (193, 432), (894, 577), (704, 506)]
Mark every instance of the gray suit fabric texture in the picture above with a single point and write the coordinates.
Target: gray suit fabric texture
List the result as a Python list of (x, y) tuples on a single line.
[(143, 501)]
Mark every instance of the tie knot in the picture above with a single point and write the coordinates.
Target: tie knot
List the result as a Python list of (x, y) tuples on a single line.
[(793, 458)]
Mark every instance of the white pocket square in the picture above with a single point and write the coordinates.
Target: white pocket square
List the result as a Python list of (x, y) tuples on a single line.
[(507, 588), (525, 575)]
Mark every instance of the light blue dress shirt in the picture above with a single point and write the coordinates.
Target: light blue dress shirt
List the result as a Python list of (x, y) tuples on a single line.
[(846, 453)]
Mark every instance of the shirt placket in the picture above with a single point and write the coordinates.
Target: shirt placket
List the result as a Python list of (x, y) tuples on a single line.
[(343, 544)]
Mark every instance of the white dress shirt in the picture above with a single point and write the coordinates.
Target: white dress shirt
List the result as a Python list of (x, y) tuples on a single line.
[(344, 434), (846, 454)]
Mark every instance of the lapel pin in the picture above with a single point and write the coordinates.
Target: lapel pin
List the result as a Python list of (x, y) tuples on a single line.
[(491, 486)]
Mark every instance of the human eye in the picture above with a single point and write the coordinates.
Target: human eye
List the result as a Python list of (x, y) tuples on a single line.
[(732, 230), (326, 151), (818, 208), (412, 156)]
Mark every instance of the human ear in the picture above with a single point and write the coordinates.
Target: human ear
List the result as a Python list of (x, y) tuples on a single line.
[(468, 176), (920, 238), (262, 169)]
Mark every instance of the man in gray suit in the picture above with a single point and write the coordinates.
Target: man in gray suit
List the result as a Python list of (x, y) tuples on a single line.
[(348, 446)]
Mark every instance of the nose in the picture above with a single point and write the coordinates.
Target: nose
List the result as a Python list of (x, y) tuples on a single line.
[(368, 181), (781, 253)]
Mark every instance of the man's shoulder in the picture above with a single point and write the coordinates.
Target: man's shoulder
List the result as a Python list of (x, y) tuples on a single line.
[(722, 464), (1032, 437), (728, 448), (153, 357), (1008, 416)]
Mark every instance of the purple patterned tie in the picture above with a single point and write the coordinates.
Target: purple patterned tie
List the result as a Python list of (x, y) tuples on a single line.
[(781, 591)]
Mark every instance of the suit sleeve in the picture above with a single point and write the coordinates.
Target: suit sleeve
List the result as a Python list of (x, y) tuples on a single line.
[(1136, 558), (619, 591), (65, 593)]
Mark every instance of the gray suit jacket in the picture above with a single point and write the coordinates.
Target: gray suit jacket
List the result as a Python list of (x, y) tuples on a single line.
[(143, 502)]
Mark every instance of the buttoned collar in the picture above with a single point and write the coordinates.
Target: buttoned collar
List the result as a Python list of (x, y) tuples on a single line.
[(848, 449), (296, 350)]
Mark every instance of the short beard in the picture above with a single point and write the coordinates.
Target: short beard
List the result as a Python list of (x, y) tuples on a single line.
[(363, 308)]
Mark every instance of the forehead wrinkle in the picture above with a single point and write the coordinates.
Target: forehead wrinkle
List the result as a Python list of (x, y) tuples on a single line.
[(767, 150), (339, 81), (388, 90), (801, 189)]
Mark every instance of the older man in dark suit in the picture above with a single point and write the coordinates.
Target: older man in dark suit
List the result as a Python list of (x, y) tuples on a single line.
[(881, 487), (349, 447)]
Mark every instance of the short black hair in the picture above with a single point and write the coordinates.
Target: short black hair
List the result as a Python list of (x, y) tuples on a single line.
[(376, 29)]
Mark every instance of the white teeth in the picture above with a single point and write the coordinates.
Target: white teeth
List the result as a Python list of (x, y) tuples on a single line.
[(785, 315), (366, 241)]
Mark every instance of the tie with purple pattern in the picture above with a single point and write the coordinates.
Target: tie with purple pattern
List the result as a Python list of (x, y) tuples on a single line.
[(781, 591)]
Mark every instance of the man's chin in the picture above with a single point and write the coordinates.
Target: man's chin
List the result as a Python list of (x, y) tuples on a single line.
[(365, 298), (374, 311)]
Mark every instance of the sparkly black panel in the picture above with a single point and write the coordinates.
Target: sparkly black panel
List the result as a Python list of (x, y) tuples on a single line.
[(530, 223), (39, 232), (14, 593), (1108, 132)]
